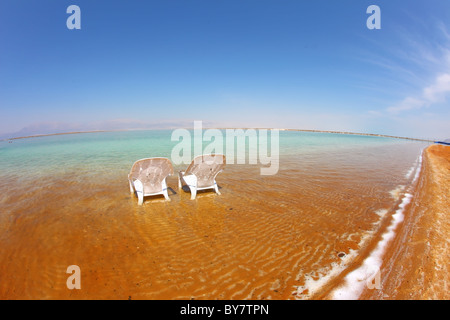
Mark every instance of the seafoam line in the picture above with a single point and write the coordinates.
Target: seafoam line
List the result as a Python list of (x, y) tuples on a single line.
[(358, 279)]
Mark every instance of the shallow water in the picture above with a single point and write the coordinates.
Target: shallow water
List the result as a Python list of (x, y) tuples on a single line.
[(65, 200)]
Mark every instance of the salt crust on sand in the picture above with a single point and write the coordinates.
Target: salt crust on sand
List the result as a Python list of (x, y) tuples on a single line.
[(358, 279)]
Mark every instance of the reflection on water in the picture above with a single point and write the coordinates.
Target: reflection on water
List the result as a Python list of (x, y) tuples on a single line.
[(65, 201)]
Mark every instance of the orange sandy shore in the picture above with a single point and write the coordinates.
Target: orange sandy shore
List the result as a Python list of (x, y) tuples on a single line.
[(416, 265)]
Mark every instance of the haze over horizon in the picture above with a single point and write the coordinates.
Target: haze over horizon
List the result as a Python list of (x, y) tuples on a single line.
[(236, 63)]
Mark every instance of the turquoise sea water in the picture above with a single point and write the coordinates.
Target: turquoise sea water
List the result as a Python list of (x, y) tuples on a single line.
[(110, 152)]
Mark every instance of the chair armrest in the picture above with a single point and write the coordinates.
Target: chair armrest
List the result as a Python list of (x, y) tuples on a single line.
[(138, 185), (191, 180)]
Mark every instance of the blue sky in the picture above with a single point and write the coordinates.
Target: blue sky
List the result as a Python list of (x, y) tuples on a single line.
[(290, 63)]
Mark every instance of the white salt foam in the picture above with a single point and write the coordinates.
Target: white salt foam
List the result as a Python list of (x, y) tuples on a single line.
[(358, 279)]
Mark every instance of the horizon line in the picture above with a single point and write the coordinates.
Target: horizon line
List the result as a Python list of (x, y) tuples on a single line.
[(223, 128)]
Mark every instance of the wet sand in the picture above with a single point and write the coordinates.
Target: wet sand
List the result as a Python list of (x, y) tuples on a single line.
[(213, 248), (265, 237)]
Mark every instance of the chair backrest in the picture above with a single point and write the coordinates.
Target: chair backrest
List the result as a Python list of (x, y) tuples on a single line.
[(205, 168), (151, 172)]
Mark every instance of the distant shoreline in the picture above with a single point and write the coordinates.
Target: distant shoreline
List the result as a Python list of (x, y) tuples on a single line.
[(53, 134), (362, 134), (283, 129)]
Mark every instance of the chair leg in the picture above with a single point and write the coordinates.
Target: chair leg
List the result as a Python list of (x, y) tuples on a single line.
[(216, 188), (140, 198), (180, 179), (166, 195), (193, 192), (131, 187)]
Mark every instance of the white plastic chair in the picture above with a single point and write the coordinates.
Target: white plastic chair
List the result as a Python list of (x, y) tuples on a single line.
[(201, 173), (148, 177)]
